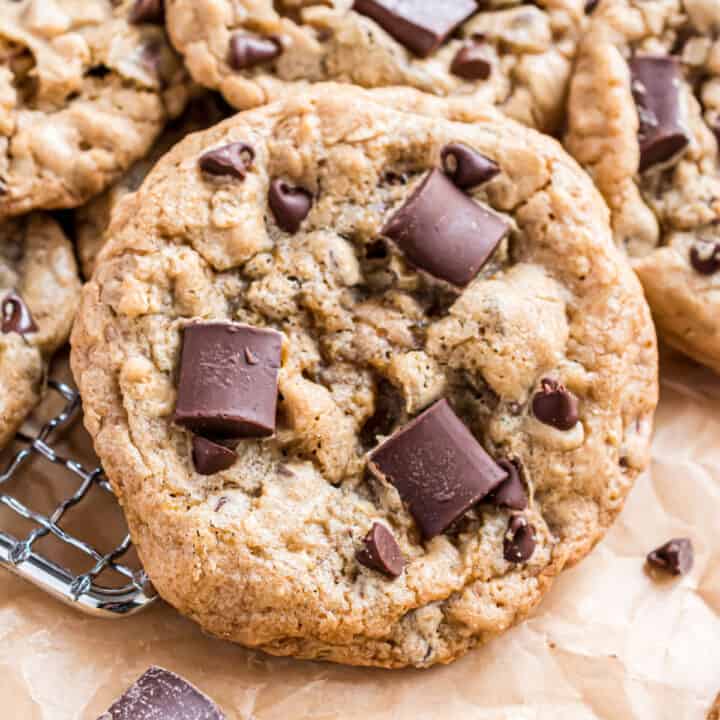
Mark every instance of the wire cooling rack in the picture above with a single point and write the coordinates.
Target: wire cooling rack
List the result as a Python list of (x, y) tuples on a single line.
[(89, 589)]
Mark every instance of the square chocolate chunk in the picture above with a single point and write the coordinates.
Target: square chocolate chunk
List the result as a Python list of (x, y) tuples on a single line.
[(438, 467), (228, 380)]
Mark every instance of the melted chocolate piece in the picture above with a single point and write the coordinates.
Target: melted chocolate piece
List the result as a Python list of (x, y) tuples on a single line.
[(438, 467), (706, 261), (16, 316), (656, 88), (381, 552), (247, 51), (444, 232), (234, 160), (511, 492), (221, 394), (466, 167), (675, 556), (554, 405), (290, 205), (210, 457), (162, 695), (148, 11), (519, 542), (471, 62), (419, 25)]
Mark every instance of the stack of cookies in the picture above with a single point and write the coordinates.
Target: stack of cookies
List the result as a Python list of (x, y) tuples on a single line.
[(363, 350)]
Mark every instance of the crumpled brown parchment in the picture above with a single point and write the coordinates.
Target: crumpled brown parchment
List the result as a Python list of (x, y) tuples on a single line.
[(608, 642)]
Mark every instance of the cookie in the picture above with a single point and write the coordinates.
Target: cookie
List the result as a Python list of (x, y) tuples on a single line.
[(93, 218), (644, 119), (39, 293), (514, 54), (85, 88), (364, 380)]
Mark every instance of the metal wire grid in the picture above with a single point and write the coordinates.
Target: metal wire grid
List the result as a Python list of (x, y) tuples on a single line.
[(85, 591)]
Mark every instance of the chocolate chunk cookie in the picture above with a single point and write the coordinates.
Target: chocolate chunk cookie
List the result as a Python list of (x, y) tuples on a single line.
[(369, 417), (85, 88), (93, 219), (513, 53), (645, 122), (39, 293)]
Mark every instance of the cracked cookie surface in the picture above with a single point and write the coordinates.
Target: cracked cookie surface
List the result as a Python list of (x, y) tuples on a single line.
[(85, 88), (295, 543), (664, 198), (514, 54), (39, 293)]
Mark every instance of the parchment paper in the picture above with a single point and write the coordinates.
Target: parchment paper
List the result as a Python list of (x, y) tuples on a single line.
[(608, 641)]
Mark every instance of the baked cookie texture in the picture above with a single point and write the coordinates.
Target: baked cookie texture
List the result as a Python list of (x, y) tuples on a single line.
[(269, 551), (667, 217), (93, 218), (39, 294), (512, 53), (85, 88)]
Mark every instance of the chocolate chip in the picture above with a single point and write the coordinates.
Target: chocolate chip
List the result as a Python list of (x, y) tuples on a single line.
[(234, 160), (290, 205), (519, 541), (511, 491), (590, 5), (705, 259), (247, 51), (221, 394), (466, 167), (16, 316), (471, 62), (210, 457), (656, 83), (444, 232), (675, 556), (419, 25), (438, 467), (554, 405), (148, 11), (381, 552), (162, 695), (715, 128)]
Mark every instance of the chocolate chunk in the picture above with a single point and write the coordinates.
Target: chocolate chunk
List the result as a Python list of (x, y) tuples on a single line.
[(706, 260), (234, 160), (511, 492), (381, 552), (210, 457), (247, 51), (16, 317), (656, 88), (162, 695), (419, 25), (444, 232), (290, 205), (466, 167), (471, 62), (148, 11), (554, 405), (675, 556), (519, 542), (438, 467), (221, 394)]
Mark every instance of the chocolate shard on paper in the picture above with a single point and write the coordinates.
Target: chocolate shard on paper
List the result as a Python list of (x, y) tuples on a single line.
[(220, 393), (247, 51), (421, 26), (467, 168), (16, 316), (233, 160), (438, 467), (162, 695), (656, 87), (290, 205), (519, 542), (675, 556), (444, 232), (381, 552), (510, 493), (211, 457)]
